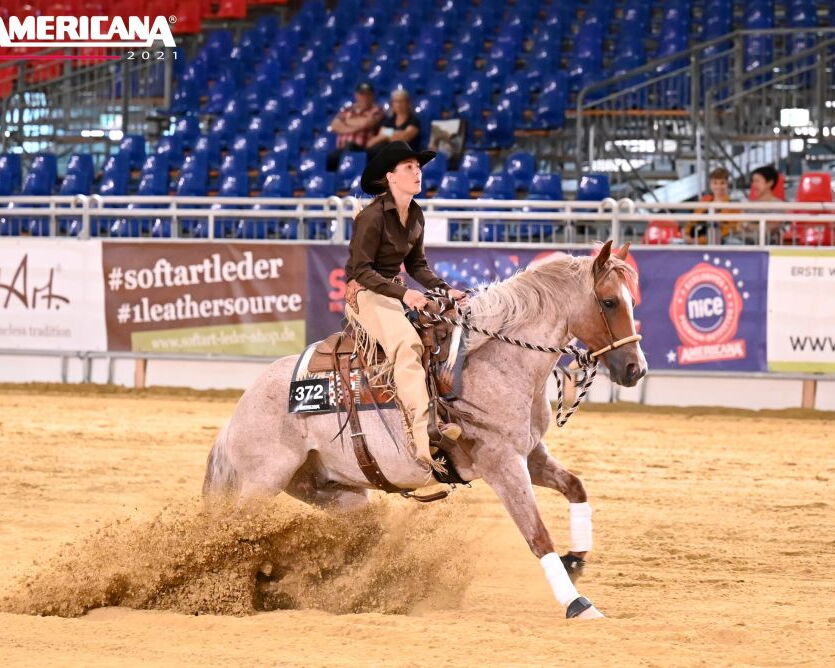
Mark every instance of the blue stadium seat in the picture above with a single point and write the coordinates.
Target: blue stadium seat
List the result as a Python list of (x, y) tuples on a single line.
[(10, 172), (246, 148), (320, 184), (80, 183), (208, 147), (171, 147), (476, 166), (434, 171), (498, 128), (520, 166), (276, 184), (81, 164), (546, 186), (351, 165), (454, 185), (550, 110), (220, 92), (593, 186), (188, 130), (498, 186), (273, 163), (47, 165), (311, 163), (134, 147)]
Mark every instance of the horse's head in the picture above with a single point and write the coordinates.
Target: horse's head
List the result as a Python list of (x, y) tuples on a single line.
[(605, 319)]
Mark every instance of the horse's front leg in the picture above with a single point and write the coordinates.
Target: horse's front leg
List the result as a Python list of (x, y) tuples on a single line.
[(546, 471), (511, 482)]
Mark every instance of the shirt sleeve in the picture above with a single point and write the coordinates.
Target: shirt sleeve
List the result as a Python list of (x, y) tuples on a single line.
[(365, 242), (418, 268)]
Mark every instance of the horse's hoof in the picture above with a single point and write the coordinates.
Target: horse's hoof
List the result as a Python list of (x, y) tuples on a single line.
[(591, 613), (582, 608), (574, 566)]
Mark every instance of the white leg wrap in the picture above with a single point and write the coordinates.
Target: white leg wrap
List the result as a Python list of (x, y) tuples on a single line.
[(560, 583), (579, 518)]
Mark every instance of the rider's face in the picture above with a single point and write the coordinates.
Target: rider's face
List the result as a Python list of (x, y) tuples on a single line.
[(406, 177)]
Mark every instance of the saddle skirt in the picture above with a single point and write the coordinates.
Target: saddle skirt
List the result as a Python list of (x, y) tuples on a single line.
[(317, 386)]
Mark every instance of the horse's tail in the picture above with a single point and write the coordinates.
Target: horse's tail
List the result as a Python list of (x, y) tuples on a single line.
[(221, 477)]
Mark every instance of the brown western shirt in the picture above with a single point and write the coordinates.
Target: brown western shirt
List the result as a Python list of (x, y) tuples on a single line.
[(381, 243)]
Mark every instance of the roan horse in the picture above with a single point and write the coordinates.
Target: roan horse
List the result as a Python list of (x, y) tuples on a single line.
[(265, 450)]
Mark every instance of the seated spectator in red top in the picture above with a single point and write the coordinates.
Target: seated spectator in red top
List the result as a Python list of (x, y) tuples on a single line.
[(355, 125), (402, 125)]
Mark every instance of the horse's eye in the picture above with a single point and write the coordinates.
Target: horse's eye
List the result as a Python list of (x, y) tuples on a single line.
[(608, 303)]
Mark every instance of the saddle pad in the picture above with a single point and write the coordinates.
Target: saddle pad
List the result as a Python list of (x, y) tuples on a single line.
[(321, 392)]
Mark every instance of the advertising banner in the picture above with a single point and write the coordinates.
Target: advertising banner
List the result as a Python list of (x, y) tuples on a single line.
[(205, 298), (801, 310), (461, 268), (703, 310), (51, 295)]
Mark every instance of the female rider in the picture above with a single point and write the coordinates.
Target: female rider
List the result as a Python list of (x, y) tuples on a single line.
[(387, 233)]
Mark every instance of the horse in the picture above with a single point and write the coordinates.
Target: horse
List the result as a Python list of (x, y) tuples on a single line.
[(264, 450)]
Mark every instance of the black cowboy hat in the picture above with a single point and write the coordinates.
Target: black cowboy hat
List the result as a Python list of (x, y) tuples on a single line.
[(386, 160)]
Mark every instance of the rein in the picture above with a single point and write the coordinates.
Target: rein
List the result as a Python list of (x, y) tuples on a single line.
[(586, 361)]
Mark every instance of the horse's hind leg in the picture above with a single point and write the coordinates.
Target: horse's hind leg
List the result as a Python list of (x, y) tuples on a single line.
[(547, 472), (309, 486)]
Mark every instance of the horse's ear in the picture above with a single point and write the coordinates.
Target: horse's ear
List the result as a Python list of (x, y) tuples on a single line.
[(623, 252), (602, 258)]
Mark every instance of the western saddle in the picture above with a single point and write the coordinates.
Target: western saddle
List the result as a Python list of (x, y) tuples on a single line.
[(336, 354)]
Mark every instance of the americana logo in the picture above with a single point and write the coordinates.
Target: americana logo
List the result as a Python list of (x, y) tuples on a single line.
[(705, 310)]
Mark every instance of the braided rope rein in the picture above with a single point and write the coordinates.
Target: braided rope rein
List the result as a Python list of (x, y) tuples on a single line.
[(585, 360)]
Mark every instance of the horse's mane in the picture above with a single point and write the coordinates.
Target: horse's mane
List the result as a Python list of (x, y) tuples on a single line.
[(540, 292)]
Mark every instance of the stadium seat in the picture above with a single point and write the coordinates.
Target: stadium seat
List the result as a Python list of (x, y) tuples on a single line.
[(476, 166), (10, 172), (80, 183), (434, 171), (813, 187), (46, 165), (498, 186), (81, 164), (351, 165), (661, 232), (134, 147), (546, 187), (520, 166), (593, 187), (454, 185)]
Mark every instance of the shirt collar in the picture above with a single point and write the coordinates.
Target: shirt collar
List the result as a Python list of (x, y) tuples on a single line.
[(389, 204)]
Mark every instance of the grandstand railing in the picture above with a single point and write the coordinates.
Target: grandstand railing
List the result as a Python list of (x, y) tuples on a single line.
[(655, 110), (527, 223), (71, 101), (750, 108)]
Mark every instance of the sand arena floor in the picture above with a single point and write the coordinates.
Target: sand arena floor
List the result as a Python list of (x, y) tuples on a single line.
[(715, 545)]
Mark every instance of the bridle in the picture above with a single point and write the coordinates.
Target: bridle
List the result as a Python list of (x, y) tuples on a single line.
[(613, 343)]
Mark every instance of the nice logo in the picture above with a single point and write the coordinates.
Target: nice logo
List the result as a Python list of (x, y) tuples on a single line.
[(705, 310)]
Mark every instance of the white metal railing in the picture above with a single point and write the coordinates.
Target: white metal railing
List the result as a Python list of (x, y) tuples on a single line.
[(470, 221)]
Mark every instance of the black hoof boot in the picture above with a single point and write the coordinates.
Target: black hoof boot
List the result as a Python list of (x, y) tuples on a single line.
[(573, 566), (577, 607)]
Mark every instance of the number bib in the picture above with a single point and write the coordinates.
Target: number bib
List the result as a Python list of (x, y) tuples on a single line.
[(310, 396)]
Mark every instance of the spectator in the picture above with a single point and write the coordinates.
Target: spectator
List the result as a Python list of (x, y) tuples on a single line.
[(696, 232), (763, 182), (355, 125), (402, 125)]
